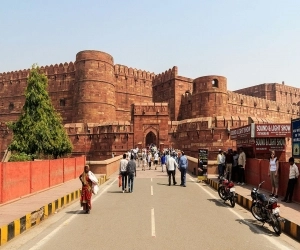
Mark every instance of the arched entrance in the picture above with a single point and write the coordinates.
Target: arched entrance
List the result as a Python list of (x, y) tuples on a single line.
[(151, 138)]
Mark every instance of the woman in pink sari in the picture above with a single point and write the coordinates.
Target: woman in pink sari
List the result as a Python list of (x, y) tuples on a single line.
[(86, 191)]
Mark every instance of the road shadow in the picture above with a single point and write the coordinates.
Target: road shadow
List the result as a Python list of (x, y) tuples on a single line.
[(115, 192), (163, 184), (257, 227), (219, 202), (76, 212)]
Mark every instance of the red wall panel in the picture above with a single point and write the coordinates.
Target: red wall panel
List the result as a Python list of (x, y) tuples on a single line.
[(16, 180), (1, 188), (56, 172), (69, 169), (264, 170), (80, 162), (252, 174), (39, 175)]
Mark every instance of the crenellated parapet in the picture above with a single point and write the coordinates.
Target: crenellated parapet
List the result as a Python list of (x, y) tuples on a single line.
[(137, 74), (165, 76), (263, 104)]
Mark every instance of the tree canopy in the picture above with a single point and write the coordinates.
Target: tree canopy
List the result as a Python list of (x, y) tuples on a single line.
[(39, 130)]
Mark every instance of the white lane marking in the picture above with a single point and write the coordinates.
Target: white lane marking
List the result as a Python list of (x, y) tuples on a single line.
[(152, 223), (52, 234), (274, 242), (151, 190)]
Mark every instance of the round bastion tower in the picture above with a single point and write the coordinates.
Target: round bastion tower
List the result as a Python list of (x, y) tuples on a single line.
[(95, 87), (210, 92)]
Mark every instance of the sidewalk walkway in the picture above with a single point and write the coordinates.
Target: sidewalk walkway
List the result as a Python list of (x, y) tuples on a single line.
[(18, 216), (289, 211)]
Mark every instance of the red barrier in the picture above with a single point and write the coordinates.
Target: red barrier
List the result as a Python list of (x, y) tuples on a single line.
[(39, 175), (257, 171), (56, 172), (264, 170), (69, 168), (80, 162), (252, 171), (18, 179), (15, 180), (1, 189)]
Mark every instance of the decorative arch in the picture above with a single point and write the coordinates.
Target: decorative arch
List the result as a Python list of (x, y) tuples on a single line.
[(151, 136)]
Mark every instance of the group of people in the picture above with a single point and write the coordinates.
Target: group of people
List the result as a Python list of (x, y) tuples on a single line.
[(170, 160), (274, 175), (231, 165)]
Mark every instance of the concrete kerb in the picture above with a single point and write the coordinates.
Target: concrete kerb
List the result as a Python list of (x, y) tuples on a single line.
[(288, 227), (20, 225)]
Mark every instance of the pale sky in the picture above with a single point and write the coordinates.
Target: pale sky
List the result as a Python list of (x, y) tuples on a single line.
[(248, 41)]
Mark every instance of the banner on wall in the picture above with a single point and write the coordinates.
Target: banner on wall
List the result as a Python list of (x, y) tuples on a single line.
[(202, 164), (295, 124)]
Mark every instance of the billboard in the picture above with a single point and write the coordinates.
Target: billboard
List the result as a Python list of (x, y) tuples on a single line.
[(296, 139)]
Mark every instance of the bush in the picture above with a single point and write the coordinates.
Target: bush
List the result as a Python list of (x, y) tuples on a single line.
[(21, 157)]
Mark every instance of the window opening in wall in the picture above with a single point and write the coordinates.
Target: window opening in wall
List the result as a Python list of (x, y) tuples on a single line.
[(215, 83), (11, 106), (62, 102)]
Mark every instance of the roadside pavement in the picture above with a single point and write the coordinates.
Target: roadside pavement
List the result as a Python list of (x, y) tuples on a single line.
[(289, 211)]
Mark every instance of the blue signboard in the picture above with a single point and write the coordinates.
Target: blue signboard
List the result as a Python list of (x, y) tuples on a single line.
[(296, 139)]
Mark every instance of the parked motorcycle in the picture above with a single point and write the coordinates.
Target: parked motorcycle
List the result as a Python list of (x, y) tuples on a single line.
[(226, 190), (266, 210)]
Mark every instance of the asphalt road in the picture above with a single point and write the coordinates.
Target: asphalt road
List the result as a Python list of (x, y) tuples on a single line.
[(154, 216)]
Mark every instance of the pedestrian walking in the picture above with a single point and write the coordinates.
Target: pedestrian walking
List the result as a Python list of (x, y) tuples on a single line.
[(171, 166), (149, 159), (293, 176), (183, 165), (163, 162), (273, 173), (87, 179), (144, 160), (156, 156), (241, 166), (131, 172), (123, 172), (229, 162)]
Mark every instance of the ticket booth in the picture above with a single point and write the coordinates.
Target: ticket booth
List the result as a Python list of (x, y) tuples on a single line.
[(258, 140)]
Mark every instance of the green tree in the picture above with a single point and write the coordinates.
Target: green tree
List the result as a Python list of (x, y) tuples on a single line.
[(39, 130)]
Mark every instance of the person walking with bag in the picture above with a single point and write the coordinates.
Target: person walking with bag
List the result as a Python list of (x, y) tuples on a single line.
[(273, 173), (293, 176), (131, 172), (123, 172), (88, 179)]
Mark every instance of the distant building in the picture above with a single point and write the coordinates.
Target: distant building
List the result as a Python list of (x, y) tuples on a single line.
[(108, 107)]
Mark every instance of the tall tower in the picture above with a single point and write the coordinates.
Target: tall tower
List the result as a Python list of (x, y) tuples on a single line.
[(94, 96), (210, 96)]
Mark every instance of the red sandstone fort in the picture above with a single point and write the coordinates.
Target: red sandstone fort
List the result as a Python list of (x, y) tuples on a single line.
[(110, 108)]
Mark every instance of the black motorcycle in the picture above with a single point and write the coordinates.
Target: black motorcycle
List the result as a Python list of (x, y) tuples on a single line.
[(226, 190), (266, 210)]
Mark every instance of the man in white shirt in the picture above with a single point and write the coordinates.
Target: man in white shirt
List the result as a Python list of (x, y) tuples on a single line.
[(123, 172), (293, 176), (171, 165), (156, 156)]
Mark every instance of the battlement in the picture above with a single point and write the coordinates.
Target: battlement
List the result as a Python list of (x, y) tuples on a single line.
[(121, 70), (260, 103), (16, 76), (165, 76)]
